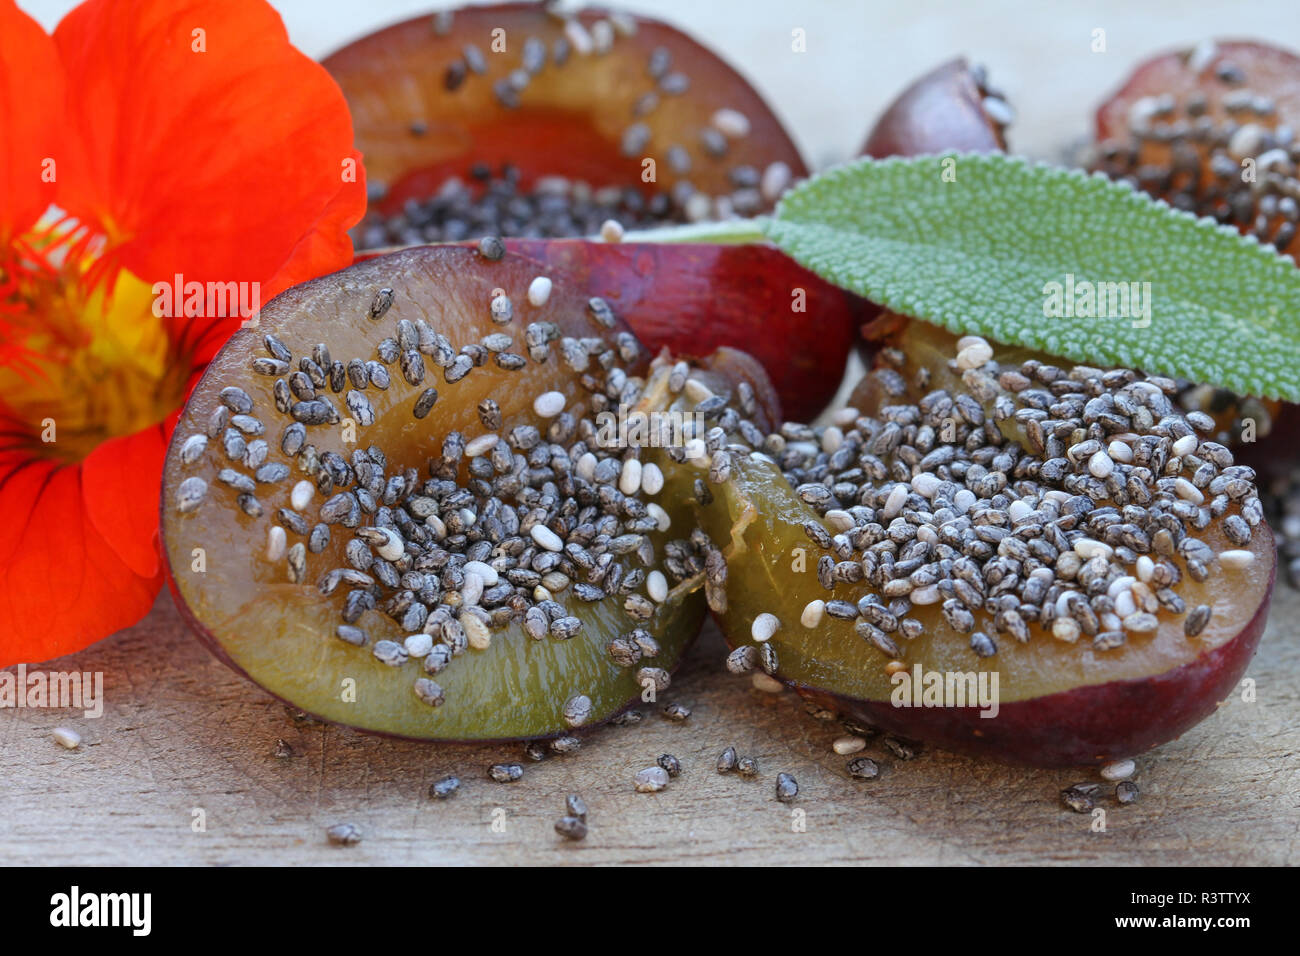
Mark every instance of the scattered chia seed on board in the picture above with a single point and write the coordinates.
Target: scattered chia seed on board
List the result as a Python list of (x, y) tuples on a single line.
[(344, 834), (444, 788), (571, 827)]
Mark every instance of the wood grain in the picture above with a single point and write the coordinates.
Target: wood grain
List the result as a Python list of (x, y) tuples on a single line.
[(182, 733)]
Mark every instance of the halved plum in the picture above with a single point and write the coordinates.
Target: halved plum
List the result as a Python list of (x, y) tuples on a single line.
[(1211, 129), (982, 513), (587, 95), (341, 528)]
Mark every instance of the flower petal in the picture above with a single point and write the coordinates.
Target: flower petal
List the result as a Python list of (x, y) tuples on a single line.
[(121, 480), (210, 146), (31, 105), (64, 586), (326, 248)]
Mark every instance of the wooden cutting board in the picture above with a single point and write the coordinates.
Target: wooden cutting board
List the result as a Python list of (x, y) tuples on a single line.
[(183, 741)]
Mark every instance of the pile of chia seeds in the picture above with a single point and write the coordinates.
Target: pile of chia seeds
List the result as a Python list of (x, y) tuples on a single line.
[(1081, 536), (1175, 149), (494, 204)]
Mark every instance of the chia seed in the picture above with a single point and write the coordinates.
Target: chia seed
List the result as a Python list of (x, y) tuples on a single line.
[(444, 788), (506, 772), (344, 834)]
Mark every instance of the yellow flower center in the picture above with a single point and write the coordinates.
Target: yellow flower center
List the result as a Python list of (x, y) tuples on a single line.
[(81, 364)]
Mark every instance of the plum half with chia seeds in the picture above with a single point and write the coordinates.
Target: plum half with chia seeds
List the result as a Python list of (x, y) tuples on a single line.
[(544, 112), (398, 503), (984, 514)]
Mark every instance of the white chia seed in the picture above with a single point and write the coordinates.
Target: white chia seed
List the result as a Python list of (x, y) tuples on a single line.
[(546, 538), (812, 613), (549, 404), (629, 481), (484, 571), (276, 543), (651, 780), (662, 518), (481, 445), (1236, 560), (1119, 770), (539, 290), (652, 479), (732, 124), (656, 585), (301, 495), (764, 626), (419, 645)]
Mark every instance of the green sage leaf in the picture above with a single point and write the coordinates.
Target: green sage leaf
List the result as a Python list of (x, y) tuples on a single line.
[(1053, 259)]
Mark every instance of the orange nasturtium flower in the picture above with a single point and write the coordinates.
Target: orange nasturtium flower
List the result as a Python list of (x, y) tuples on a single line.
[(145, 141)]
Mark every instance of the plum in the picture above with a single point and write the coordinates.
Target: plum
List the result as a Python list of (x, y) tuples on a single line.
[(949, 108), (981, 511), (402, 501), (1210, 129), (589, 96)]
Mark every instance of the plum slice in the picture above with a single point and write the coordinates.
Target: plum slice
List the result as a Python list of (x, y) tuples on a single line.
[(981, 511), (327, 519), (587, 96)]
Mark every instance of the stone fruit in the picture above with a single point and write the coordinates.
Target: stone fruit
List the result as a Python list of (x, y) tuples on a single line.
[(949, 108), (978, 515), (403, 501), (513, 119)]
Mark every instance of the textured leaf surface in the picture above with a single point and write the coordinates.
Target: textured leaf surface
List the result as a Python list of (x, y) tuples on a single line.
[(977, 254)]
